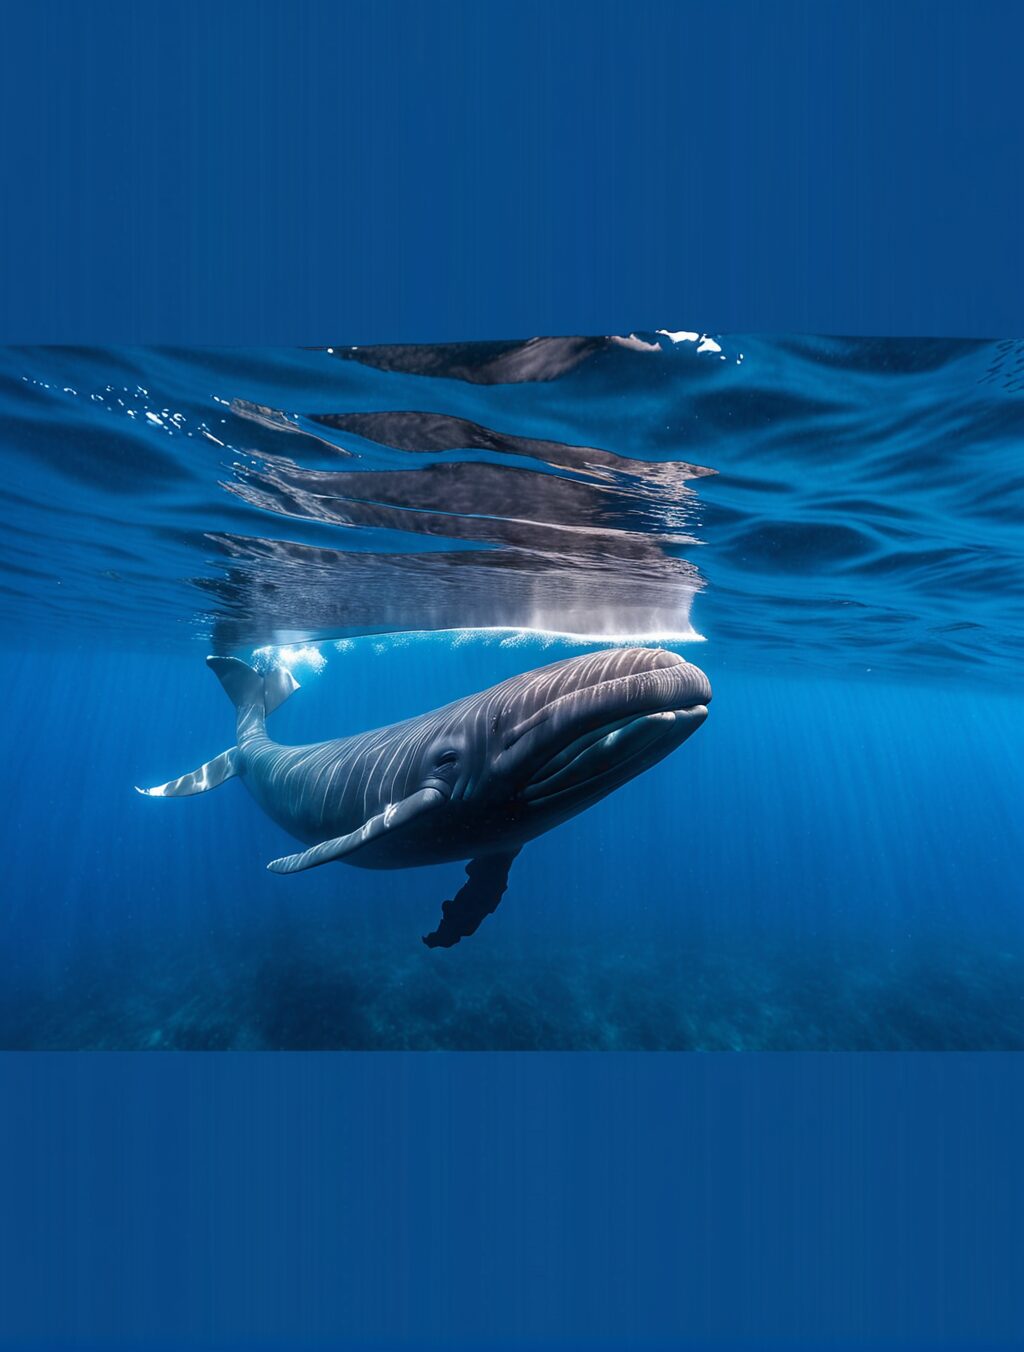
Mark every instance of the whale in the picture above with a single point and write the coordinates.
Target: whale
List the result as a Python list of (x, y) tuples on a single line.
[(474, 781)]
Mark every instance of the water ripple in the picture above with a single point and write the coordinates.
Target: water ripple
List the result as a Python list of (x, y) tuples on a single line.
[(833, 502)]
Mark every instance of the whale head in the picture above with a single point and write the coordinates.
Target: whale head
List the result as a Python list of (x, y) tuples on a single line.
[(564, 736)]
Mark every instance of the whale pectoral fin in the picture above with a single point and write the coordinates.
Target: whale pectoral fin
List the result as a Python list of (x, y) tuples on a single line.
[(208, 776), (394, 817), (476, 899)]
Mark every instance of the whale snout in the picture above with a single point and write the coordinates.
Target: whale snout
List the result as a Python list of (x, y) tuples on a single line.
[(656, 677), (659, 680), (602, 719), (619, 683), (692, 686)]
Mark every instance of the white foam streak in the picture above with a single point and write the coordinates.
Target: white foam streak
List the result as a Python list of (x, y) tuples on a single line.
[(290, 657)]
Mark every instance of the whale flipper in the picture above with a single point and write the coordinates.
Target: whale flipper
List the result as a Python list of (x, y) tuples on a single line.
[(475, 900), (394, 817), (208, 776)]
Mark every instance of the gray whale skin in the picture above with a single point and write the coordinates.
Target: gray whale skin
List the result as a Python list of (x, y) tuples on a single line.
[(475, 780)]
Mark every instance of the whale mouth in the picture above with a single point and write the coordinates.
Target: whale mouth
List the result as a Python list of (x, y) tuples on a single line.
[(611, 750)]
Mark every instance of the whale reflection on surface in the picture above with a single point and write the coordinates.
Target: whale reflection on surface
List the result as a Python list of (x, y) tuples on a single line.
[(833, 502), (595, 550), (485, 363)]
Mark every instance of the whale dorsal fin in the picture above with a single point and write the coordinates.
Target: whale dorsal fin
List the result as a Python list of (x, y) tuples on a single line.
[(394, 817)]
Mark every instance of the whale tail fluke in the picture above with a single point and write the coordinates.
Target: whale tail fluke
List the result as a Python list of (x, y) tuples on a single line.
[(246, 689)]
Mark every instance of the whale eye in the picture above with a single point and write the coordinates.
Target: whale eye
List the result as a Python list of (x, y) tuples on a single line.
[(447, 758)]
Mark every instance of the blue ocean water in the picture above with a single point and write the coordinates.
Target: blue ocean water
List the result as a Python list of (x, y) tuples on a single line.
[(830, 528)]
